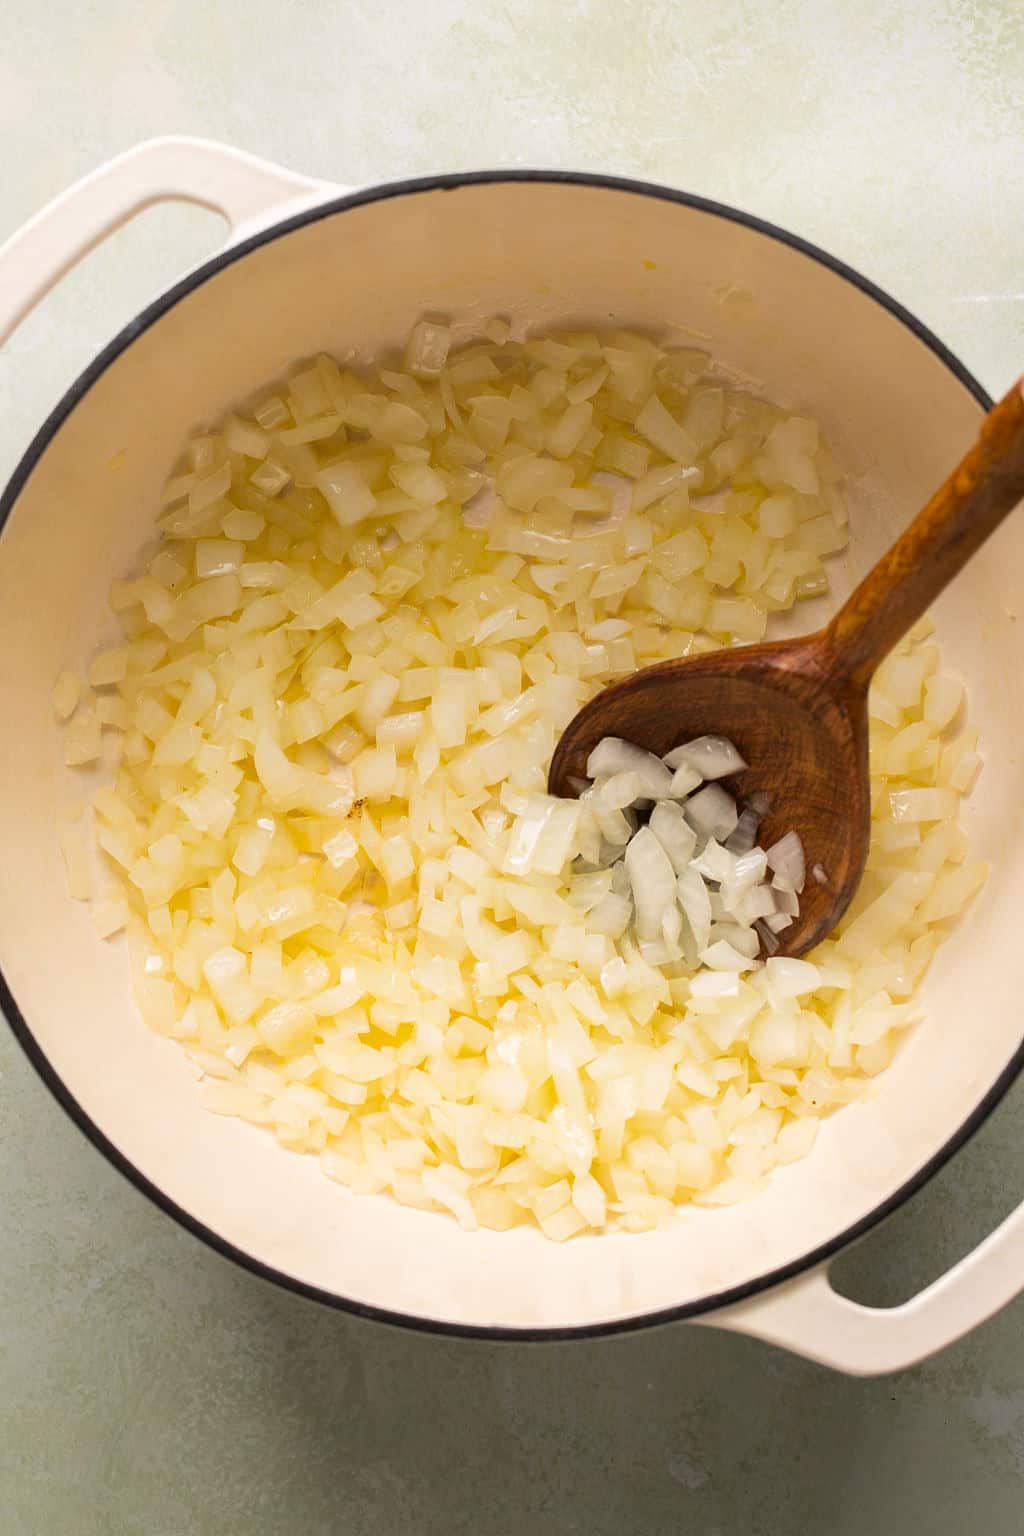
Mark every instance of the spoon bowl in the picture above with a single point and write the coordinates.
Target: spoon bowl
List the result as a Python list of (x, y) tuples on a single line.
[(802, 732), (797, 709)]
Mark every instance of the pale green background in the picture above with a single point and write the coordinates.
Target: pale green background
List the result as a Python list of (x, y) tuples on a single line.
[(148, 1386)]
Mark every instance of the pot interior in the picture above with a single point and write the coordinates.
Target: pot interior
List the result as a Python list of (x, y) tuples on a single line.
[(353, 281)]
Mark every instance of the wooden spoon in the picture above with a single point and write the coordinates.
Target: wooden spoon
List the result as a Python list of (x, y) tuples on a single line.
[(797, 709)]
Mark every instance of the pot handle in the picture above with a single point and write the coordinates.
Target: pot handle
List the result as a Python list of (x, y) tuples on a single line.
[(244, 189), (807, 1316)]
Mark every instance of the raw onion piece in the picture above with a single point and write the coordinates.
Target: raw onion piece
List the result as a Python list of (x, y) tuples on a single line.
[(786, 860), (612, 756), (710, 756), (712, 812), (711, 880), (653, 882)]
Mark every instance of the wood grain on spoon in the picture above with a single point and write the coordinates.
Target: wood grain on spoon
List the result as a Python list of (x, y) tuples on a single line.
[(797, 709)]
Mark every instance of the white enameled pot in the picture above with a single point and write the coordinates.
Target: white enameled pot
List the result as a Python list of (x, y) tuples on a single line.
[(311, 266)]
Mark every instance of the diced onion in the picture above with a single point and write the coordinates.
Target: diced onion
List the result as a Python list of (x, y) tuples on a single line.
[(67, 691), (674, 833), (612, 756), (712, 757), (786, 860), (712, 812), (653, 881), (378, 599)]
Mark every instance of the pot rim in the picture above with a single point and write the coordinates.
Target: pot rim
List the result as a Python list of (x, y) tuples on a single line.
[(451, 182)]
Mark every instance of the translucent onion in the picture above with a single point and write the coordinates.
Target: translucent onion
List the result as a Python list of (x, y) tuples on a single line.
[(326, 839)]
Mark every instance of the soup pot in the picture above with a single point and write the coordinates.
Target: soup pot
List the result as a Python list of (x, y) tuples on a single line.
[(311, 266)]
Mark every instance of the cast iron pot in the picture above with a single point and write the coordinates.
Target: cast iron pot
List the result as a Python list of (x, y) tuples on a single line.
[(311, 266)]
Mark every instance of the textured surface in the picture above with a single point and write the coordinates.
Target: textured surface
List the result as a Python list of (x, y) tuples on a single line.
[(147, 1386)]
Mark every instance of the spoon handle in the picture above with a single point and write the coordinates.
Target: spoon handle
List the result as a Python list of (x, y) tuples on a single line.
[(983, 489)]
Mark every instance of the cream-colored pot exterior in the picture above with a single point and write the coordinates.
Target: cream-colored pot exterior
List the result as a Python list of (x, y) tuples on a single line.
[(355, 274)]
